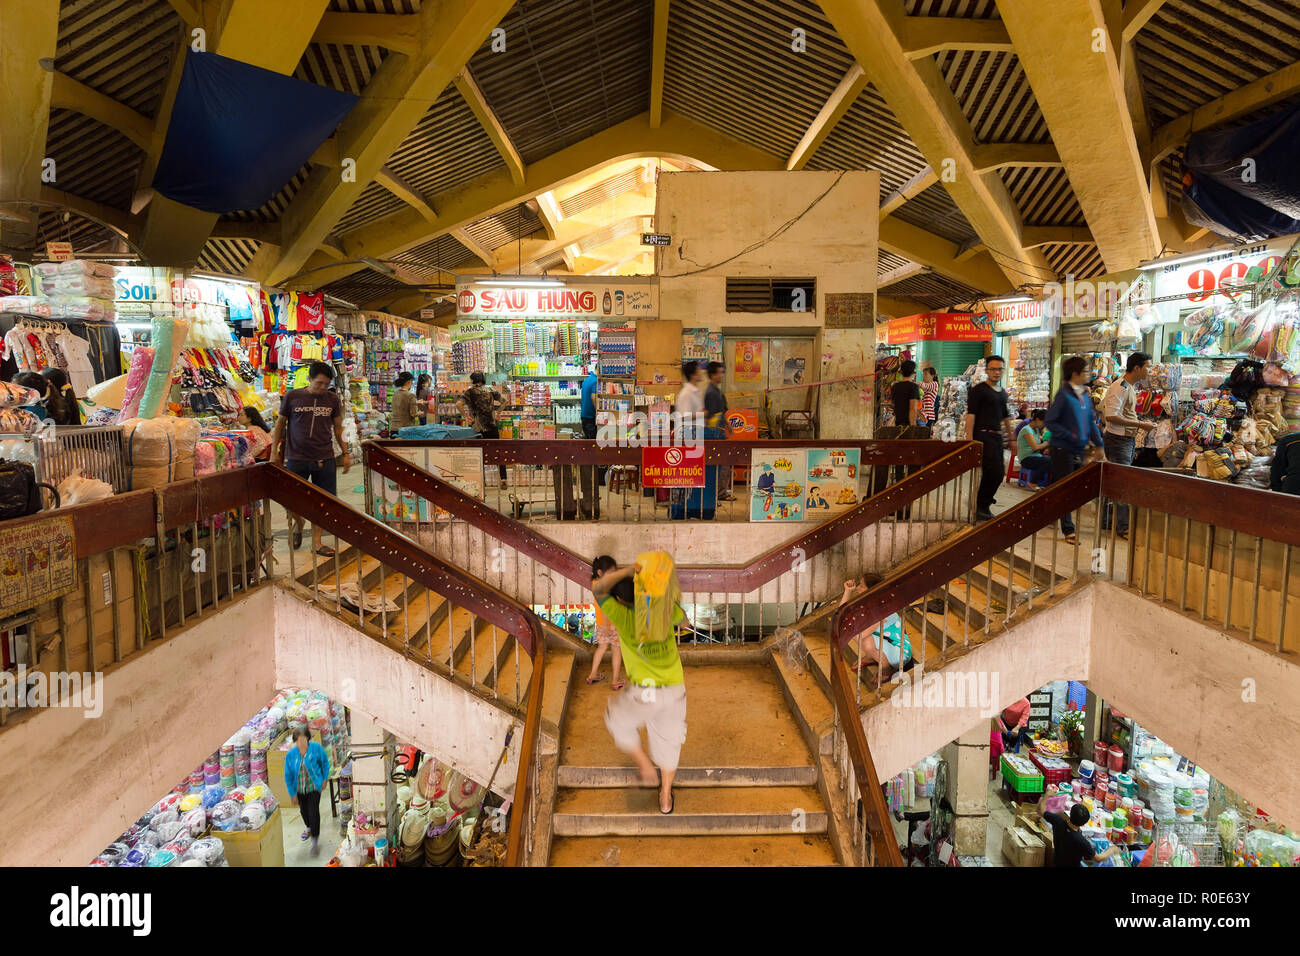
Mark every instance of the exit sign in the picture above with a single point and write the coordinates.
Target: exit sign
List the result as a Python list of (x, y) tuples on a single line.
[(655, 239), (58, 251)]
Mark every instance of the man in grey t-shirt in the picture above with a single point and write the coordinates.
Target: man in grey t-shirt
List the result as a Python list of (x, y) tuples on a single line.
[(310, 420)]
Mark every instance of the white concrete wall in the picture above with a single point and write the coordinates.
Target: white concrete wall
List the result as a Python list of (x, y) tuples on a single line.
[(713, 216), (1228, 705), (317, 650), (71, 785), (1051, 645)]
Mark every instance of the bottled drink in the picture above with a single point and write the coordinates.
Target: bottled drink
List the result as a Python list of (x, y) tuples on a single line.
[(618, 301), (605, 304)]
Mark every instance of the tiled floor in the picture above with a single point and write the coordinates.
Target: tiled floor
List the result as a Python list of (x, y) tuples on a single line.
[(297, 851)]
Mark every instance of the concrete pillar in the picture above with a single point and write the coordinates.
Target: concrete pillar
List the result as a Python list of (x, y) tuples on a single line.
[(968, 788), (369, 776)]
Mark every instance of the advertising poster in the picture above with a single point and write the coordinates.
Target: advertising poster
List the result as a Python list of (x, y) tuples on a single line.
[(462, 468), (777, 481), (748, 366), (39, 563), (832, 482), (742, 423)]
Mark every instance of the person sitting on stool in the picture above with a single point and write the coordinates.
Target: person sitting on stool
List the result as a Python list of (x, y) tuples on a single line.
[(1015, 723)]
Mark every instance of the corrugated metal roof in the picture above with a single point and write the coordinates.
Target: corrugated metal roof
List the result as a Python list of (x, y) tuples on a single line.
[(935, 290), (995, 96), (374, 6), (887, 262), (571, 68), (1044, 196), (227, 256), (92, 160), (600, 192), (966, 9), (84, 234), (364, 286), (934, 211), (869, 136), (516, 222), (274, 208), (1080, 261), (439, 255), (615, 230), (730, 66), (122, 48), (1193, 51), (375, 202), (447, 148)]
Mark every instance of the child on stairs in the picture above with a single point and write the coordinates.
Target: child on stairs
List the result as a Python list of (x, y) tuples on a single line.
[(892, 654), (606, 633)]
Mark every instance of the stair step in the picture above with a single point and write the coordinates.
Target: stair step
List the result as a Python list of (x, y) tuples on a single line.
[(572, 777), (791, 849), (698, 812), (809, 703)]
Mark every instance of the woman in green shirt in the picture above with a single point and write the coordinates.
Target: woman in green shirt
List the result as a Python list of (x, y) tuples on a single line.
[(1031, 442), (655, 697)]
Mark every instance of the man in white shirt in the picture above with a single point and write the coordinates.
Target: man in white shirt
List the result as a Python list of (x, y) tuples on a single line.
[(690, 400), (1119, 413)]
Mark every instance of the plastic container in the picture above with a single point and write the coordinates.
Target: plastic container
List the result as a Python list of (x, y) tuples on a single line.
[(1099, 751), (1116, 763)]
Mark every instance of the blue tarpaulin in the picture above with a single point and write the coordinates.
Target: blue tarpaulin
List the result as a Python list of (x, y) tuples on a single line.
[(238, 133), (1245, 182)]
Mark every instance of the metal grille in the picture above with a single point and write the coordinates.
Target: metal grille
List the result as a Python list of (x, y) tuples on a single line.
[(769, 295), (95, 452)]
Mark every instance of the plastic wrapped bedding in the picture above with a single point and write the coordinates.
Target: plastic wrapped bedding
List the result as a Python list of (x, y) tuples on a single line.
[(169, 340), (136, 378)]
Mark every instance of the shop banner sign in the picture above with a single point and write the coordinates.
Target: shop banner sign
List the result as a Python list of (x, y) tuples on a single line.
[(672, 466), (605, 300), (777, 480), (940, 327), (38, 561), (1014, 316), (1190, 285), (832, 482), (465, 331), (748, 366)]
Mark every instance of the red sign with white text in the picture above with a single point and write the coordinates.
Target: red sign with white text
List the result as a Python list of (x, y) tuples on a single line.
[(940, 327), (672, 466)]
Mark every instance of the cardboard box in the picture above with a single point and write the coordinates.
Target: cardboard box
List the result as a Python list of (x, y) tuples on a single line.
[(264, 847), (1044, 832), (1022, 848)]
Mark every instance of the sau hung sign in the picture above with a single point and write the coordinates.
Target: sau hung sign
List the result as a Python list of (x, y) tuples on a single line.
[(572, 300), (672, 466), (940, 327)]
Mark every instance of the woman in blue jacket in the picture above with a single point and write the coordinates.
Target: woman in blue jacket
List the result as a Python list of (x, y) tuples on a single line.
[(306, 768), (1073, 425)]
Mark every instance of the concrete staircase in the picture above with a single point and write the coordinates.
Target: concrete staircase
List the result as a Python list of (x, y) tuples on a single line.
[(747, 791)]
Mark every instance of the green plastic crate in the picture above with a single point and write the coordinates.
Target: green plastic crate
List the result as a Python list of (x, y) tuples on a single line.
[(1022, 783)]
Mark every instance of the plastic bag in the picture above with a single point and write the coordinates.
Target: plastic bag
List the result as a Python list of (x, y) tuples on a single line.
[(225, 815), (77, 489), (209, 851), (212, 795), (196, 821), (252, 817)]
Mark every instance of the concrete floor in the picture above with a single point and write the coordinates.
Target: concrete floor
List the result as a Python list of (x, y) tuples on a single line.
[(296, 850)]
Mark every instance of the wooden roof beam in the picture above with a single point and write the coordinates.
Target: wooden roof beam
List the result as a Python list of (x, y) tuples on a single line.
[(404, 191), (658, 55), (29, 35), (473, 245), (491, 125), (837, 104), (1136, 15), (1032, 236), (918, 184), (899, 274), (919, 95), (978, 270), (925, 36), (992, 156), (399, 32), (70, 94), (393, 102), (1080, 89), (1263, 92)]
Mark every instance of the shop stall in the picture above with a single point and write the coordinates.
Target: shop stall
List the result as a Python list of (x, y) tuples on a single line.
[(1024, 331), (951, 342), (229, 810)]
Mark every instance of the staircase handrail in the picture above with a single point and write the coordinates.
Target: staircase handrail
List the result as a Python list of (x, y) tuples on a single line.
[(954, 460)]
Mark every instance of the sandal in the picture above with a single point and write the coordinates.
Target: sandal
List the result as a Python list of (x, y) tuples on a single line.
[(618, 685), (596, 680), (672, 802), (1071, 539), (325, 551)]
